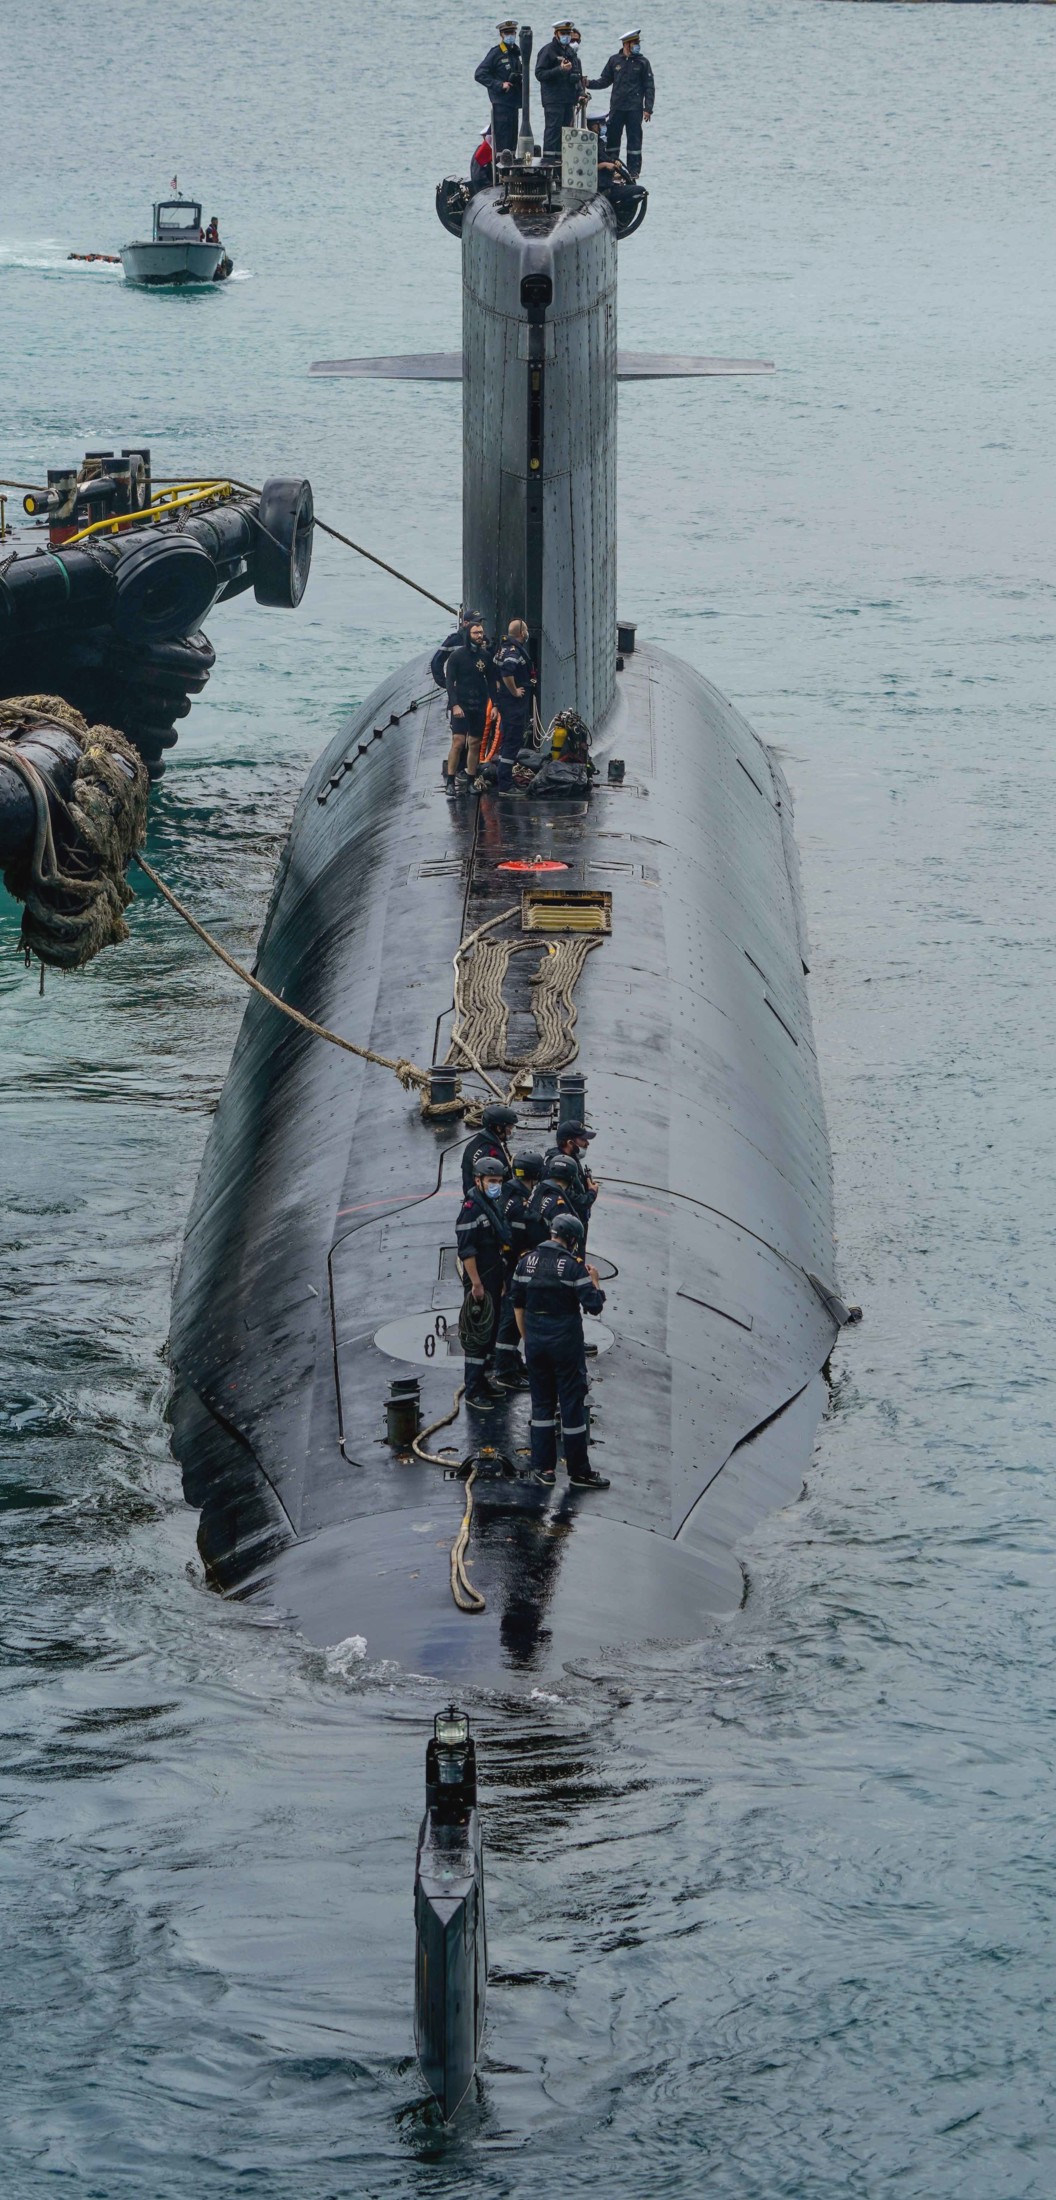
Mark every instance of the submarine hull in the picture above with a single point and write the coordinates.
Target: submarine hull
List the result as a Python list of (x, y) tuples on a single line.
[(319, 1257)]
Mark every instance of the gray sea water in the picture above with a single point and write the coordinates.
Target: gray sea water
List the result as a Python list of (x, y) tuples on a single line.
[(770, 1916)]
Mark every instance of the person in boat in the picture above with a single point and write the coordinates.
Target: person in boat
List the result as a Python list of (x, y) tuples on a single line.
[(571, 1141), (496, 1123), (515, 680), (553, 1287), (467, 677), (500, 74), (561, 83), (482, 165), (212, 234), (483, 1249)]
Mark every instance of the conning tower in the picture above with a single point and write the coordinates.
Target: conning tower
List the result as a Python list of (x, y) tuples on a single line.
[(539, 430)]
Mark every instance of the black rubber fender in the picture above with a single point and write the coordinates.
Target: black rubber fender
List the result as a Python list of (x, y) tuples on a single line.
[(285, 532), (163, 585)]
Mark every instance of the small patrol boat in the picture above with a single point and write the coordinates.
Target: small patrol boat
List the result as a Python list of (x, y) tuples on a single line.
[(177, 252)]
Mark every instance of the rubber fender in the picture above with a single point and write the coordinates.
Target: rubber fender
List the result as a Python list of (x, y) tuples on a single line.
[(285, 532), (163, 585)]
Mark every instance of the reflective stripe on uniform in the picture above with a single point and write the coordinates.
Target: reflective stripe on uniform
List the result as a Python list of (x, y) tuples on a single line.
[(543, 1424)]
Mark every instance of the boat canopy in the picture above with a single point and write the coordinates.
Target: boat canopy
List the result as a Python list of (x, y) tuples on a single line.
[(177, 220)]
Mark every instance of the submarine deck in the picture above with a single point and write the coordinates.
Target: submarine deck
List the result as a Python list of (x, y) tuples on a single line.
[(320, 1262)]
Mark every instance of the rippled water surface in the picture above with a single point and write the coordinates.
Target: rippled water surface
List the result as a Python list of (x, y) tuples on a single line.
[(771, 1916)]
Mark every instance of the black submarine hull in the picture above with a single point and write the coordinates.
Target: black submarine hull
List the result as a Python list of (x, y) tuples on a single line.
[(318, 1260)]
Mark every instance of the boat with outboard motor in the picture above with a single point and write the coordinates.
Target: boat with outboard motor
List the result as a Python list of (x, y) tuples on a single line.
[(178, 251)]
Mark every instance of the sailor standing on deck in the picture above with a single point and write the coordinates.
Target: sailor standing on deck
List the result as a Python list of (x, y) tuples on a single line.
[(515, 676), (631, 98), (552, 1290), (467, 677), (581, 1191), (523, 1231), (496, 1123), (500, 74), (482, 1249), (561, 83)]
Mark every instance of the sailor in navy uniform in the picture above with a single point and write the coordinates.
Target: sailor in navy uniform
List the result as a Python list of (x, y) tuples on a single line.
[(483, 1247), (552, 1290), (523, 1231), (496, 1123), (631, 97), (500, 74), (561, 83), (581, 1191), (515, 675)]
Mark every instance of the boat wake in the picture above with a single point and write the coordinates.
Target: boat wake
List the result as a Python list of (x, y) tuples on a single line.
[(49, 258)]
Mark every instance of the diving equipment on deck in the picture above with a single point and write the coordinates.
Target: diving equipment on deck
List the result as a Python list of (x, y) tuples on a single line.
[(451, 1963)]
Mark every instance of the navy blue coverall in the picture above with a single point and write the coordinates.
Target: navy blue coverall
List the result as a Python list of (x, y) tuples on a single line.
[(554, 1291), (632, 95), (500, 67), (512, 662), (480, 1233), (488, 1144), (524, 1231), (560, 89), (578, 1195)]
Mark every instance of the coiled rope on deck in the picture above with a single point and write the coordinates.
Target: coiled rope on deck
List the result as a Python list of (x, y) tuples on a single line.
[(482, 1017)]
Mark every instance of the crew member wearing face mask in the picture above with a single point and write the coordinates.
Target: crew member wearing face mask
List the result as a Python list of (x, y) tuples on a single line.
[(483, 1249), (561, 83), (500, 74), (631, 103)]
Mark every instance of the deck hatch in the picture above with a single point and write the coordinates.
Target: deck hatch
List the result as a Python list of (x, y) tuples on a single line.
[(566, 909)]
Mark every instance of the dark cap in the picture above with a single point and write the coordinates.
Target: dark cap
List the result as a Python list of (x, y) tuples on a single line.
[(570, 1129), (529, 1164), (568, 1227), (562, 1169), (499, 1118), (488, 1164)]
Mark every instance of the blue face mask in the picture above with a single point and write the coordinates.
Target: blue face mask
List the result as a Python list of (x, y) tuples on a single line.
[(563, 38), (493, 1190)]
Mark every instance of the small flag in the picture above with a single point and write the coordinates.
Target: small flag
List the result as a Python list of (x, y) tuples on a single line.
[(175, 184)]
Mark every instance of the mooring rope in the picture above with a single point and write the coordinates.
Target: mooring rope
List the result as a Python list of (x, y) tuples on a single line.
[(466, 1597), (411, 1077)]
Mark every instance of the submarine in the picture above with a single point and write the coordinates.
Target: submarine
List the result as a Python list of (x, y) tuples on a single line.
[(634, 951)]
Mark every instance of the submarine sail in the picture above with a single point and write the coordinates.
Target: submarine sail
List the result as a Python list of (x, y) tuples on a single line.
[(649, 932)]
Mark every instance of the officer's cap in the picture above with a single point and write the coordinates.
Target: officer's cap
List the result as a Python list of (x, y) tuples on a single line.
[(506, 30), (488, 1164), (571, 1129), (499, 1118), (568, 1227), (564, 27), (629, 34)]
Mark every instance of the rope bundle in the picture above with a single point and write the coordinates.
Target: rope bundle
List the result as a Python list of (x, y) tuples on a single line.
[(75, 906)]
